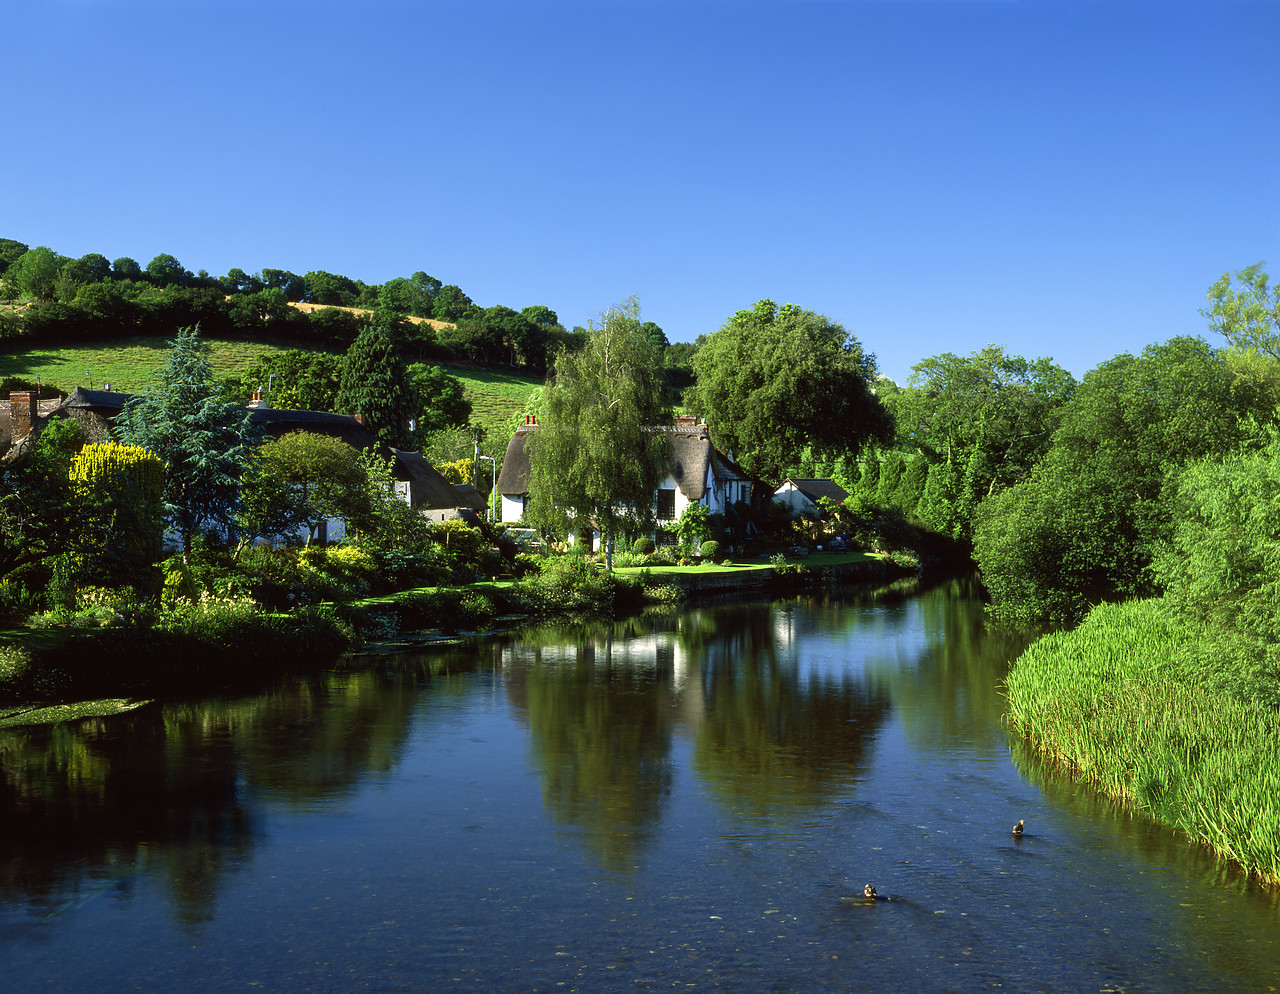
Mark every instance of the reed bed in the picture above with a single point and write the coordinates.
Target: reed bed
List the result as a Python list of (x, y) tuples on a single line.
[(1123, 702)]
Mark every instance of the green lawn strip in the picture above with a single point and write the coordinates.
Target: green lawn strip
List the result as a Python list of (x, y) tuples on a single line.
[(104, 708), (747, 565)]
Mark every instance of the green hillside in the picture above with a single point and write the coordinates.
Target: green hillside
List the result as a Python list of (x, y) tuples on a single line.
[(127, 363)]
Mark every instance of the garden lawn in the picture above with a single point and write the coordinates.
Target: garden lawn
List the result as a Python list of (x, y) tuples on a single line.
[(741, 565)]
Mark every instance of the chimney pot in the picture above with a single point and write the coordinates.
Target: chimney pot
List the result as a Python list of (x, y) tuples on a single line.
[(22, 413)]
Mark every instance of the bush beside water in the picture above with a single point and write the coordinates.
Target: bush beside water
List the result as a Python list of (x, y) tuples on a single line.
[(1128, 703)]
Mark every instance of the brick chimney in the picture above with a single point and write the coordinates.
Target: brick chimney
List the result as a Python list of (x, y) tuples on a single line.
[(22, 413)]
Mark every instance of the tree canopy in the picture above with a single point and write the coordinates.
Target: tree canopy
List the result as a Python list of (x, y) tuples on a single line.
[(1245, 310), (775, 379), (981, 422)]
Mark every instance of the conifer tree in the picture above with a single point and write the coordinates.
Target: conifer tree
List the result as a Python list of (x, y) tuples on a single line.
[(204, 442), (376, 385)]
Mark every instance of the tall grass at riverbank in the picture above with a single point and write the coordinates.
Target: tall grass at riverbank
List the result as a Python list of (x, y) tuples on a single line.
[(1126, 704)]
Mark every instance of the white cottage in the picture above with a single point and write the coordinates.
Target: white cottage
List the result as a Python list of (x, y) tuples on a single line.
[(802, 496)]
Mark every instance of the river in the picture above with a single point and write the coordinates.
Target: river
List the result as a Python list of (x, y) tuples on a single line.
[(688, 800)]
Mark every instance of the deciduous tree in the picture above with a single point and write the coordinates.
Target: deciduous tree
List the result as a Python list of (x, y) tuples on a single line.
[(442, 400), (1086, 524), (775, 379), (299, 480), (989, 416), (118, 492), (1245, 310)]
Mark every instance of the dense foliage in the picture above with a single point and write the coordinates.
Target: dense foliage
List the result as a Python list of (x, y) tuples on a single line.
[(1088, 522), (777, 380), (117, 492), (299, 480), (968, 428)]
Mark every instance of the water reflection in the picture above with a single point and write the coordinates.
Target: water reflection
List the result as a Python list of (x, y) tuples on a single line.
[(177, 791), (88, 807), (604, 703), (442, 819), (600, 718)]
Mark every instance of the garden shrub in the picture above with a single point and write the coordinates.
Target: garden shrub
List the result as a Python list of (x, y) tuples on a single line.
[(17, 600), (568, 584), (710, 550), (476, 609), (398, 570), (663, 556), (15, 664), (643, 546), (118, 491)]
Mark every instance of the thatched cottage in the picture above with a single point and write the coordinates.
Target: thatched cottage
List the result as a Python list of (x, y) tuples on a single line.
[(698, 473)]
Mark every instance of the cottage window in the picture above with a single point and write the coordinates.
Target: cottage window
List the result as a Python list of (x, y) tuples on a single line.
[(664, 505)]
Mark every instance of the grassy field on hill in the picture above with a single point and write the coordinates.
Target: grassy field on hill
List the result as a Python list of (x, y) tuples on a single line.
[(128, 364)]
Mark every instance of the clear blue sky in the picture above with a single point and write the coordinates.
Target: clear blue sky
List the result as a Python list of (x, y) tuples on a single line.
[(1063, 179)]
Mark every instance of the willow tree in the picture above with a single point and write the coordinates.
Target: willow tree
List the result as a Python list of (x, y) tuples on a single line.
[(600, 451)]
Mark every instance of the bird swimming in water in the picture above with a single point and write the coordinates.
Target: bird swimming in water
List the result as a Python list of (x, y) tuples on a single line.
[(1017, 829), (867, 896)]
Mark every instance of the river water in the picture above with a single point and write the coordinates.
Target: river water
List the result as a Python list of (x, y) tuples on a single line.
[(685, 801)]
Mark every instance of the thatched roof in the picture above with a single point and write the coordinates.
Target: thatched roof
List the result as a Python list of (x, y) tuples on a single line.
[(275, 423), (691, 454), (109, 402), (469, 496), (815, 490), (429, 490), (513, 478)]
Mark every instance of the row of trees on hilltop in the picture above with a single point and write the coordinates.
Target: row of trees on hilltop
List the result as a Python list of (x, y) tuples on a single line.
[(94, 299)]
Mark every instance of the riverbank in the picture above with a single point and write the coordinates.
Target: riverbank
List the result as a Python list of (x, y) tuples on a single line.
[(215, 642), (1128, 704)]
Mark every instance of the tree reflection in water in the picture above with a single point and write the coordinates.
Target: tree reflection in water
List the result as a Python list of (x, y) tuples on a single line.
[(177, 792), (603, 704)]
